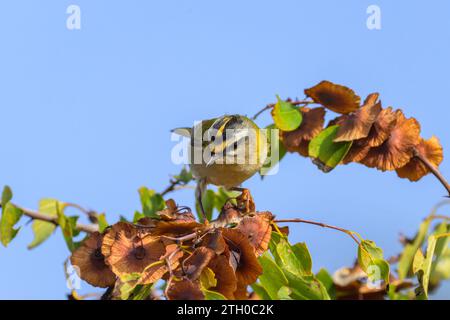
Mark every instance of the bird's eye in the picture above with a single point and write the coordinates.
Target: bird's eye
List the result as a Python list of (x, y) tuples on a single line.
[(235, 145), (213, 138)]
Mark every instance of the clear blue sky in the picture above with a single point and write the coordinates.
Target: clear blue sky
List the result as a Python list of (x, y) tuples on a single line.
[(86, 114)]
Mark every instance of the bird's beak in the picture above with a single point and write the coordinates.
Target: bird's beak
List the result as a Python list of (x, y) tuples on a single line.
[(213, 159)]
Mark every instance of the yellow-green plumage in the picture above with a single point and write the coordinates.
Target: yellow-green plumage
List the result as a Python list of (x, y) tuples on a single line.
[(228, 175)]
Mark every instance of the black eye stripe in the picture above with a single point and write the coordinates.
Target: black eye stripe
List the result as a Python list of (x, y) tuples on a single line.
[(233, 146)]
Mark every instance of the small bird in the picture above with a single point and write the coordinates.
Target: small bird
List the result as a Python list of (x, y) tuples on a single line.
[(225, 152)]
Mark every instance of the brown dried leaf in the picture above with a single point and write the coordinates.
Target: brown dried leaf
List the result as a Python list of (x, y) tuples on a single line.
[(430, 149), (357, 152), (351, 284), (312, 124), (382, 127), (245, 202), (357, 125), (335, 97)]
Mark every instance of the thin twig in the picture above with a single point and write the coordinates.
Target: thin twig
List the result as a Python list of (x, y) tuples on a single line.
[(89, 228), (271, 105), (433, 170), (171, 187), (169, 267), (439, 216), (320, 224), (92, 215)]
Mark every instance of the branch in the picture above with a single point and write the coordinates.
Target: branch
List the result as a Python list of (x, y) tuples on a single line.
[(35, 215), (92, 215), (435, 171), (320, 224), (271, 105)]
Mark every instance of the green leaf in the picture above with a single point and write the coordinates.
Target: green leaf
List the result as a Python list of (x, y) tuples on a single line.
[(10, 216), (42, 229), (286, 116), (295, 264), (102, 223), (141, 292), (137, 216), (295, 259), (326, 153), (275, 150), (126, 289), (208, 279), (67, 225), (260, 291), (441, 269), (306, 287), (208, 201), (185, 176), (273, 277), (6, 195), (370, 259), (284, 293), (405, 262), (151, 201), (124, 219), (302, 253), (212, 295), (441, 243), (326, 279), (275, 239), (418, 261), (423, 266), (222, 196)]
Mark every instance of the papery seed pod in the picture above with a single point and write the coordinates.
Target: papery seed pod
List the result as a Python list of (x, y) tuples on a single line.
[(225, 276), (214, 240), (111, 235), (312, 124), (136, 253), (382, 128), (430, 149), (242, 257), (357, 125), (197, 261), (397, 150), (335, 97), (176, 227), (257, 229), (90, 262), (185, 290)]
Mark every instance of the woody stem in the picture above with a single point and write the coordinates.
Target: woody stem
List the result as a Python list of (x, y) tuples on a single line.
[(35, 215), (433, 170), (320, 224)]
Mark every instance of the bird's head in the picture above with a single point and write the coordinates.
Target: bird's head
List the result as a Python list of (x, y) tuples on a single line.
[(230, 138)]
